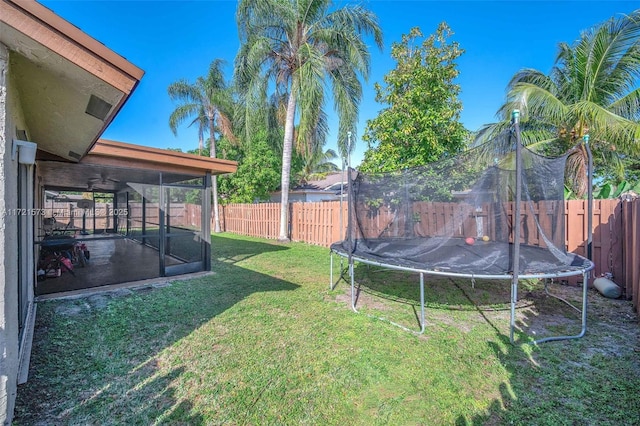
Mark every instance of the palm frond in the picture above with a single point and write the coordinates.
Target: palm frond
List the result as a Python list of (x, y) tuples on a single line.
[(534, 101), (181, 114), (627, 106), (209, 101)]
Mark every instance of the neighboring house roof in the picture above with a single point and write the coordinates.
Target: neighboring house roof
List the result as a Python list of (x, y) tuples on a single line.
[(71, 86), (328, 188), (322, 184), (331, 182)]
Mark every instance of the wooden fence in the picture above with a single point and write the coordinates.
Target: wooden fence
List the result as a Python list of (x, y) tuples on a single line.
[(318, 223), (615, 244)]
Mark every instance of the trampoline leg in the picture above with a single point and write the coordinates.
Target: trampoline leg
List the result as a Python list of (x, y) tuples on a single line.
[(333, 284), (585, 283), (514, 300), (583, 316), (422, 325), (354, 299), (353, 288), (331, 287)]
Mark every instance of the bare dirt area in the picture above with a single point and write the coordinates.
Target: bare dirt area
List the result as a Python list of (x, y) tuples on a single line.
[(613, 327)]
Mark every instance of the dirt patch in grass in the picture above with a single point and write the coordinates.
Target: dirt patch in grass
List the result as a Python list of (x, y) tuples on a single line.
[(463, 304)]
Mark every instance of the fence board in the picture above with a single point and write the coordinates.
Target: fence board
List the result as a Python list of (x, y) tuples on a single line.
[(254, 220), (316, 222)]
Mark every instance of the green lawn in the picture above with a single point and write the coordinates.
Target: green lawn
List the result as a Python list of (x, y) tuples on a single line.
[(264, 341)]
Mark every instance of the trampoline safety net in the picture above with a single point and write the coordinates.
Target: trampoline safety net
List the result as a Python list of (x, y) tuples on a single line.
[(457, 215)]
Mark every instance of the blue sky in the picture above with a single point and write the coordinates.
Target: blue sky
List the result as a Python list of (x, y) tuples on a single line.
[(172, 40)]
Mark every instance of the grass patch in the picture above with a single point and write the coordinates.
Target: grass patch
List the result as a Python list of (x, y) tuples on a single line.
[(264, 341)]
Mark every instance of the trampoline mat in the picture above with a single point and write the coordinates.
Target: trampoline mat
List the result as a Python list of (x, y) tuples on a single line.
[(455, 256)]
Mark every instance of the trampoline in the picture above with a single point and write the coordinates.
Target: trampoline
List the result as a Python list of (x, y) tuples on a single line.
[(493, 212)]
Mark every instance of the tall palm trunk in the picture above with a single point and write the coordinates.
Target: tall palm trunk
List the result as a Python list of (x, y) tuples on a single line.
[(286, 166), (214, 179)]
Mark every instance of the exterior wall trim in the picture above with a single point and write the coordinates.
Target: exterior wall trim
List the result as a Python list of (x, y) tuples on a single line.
[(42, 25), (25, 345)]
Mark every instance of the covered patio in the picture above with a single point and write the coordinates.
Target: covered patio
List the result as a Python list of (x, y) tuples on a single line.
[(137, 212)]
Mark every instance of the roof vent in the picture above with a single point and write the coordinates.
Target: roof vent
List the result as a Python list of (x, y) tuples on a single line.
[(98, 108), (21, 134), (75, 155)]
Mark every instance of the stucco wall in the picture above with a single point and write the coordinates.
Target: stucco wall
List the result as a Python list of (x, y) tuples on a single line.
[(8, 244)]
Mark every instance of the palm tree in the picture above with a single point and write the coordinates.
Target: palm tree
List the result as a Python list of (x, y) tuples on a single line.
[(301, 47), (317, 164), (315, 161), (591, 89), (209, 102)]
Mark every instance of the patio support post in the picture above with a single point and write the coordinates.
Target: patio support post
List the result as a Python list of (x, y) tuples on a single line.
[(113, 212), (167, 219), (93, 212), (161, 231), (144, 215), (128, 214), (206, 221)]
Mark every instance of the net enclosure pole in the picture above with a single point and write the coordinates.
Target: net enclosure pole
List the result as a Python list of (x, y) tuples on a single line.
[(589, 198), (350, 207), (346, 160), (515, 118), (340, 225), (350, 212)]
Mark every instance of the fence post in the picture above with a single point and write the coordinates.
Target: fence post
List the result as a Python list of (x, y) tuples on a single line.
[(631, 249)]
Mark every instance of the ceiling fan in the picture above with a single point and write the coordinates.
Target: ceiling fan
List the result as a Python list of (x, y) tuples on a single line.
[(102, 180)]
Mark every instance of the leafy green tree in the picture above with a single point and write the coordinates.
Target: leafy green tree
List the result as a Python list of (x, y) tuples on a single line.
[(421, 120), (591, 89), (209, 104), (257, 175), (299, 48)]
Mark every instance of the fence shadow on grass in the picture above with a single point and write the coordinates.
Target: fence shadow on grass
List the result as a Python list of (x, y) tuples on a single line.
[(225, 248), (101, 359)]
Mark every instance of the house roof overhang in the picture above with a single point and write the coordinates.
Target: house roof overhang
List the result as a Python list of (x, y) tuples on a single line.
[(70, 85), (115, 165)]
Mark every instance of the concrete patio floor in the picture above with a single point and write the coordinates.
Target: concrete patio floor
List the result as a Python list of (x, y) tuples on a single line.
[(112, 261)]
